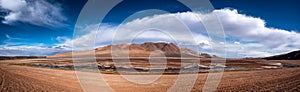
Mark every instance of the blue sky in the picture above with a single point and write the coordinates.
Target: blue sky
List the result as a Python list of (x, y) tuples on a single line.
[(30, 26)]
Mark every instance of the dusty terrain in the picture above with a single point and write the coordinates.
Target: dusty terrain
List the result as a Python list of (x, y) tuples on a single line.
[(21, 78), (24, 78)]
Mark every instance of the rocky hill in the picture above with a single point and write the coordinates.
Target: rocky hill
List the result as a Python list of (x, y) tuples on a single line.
[(295, 55), (137, 50)]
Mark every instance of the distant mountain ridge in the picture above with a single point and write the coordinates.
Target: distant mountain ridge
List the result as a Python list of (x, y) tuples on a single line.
[(295, 55), (154, 49)]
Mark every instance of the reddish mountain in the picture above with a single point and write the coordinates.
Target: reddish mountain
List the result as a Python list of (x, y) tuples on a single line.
[(138, 50), (295, 55)]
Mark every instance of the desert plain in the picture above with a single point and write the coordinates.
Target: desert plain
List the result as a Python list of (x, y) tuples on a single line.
[(165, 62), (17, 75)]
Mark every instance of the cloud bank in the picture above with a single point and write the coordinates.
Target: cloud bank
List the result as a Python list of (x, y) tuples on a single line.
[(35, 12), (32, 50), (246, 36)]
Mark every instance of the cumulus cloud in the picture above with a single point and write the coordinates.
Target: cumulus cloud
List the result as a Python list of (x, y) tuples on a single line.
[(246, 36), (256, 39), (35, 12)]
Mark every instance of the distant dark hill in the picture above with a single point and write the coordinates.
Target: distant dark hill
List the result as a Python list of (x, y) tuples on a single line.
[(295, 55), (19, 57), (138, 50)]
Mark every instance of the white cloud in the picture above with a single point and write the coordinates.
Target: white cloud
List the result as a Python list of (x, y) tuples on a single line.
[(35, 12), (31, 50), (16, 47), (13, 5), (252, 37), (255, 36), (247, 36), (62, 39), (13, 46), (237, 43)]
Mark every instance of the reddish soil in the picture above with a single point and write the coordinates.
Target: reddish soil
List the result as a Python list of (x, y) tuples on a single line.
[(16, 78), (24, 79)]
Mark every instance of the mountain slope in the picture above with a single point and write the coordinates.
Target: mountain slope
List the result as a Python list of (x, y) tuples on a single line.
[(147, 49), (295, 55)]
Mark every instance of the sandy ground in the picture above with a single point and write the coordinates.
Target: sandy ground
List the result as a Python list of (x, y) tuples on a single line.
[(22, 78)]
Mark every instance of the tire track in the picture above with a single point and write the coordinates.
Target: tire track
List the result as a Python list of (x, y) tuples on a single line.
[(2, 83), (288, 81), (280, 84), (292, 83), (296, 89), (14, 82)]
